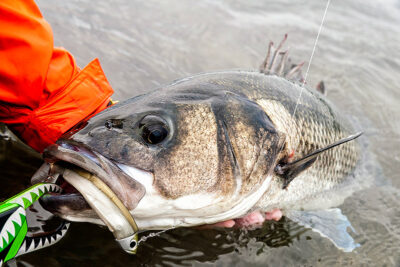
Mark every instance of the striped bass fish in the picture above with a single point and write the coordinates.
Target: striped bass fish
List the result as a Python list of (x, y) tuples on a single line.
[(222, 148)]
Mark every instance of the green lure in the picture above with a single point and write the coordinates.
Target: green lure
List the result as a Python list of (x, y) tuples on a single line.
[(13, 225)]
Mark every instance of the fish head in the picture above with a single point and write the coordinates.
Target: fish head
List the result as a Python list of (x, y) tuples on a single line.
[(188, 154)]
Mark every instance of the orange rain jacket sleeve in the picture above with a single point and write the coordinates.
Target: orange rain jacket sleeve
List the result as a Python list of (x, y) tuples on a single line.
[(42, 91)]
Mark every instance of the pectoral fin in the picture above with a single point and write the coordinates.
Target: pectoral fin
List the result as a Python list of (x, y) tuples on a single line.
[(290, 170), (330, 223)]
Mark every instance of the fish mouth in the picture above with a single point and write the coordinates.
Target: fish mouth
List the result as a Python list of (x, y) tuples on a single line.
[(67, 159)]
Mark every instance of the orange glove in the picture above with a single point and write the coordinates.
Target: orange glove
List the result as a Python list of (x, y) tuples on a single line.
[(42, 92)]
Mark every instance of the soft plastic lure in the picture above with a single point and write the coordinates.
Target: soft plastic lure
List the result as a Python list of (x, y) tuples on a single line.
[(13, 225)]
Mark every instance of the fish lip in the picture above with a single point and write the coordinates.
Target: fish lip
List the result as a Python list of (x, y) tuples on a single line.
[(74, 153), (77, 154)]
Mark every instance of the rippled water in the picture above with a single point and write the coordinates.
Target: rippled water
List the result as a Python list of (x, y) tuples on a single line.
[(144, 44)]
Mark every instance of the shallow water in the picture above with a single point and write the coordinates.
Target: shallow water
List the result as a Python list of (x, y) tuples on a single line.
[(145, 44)]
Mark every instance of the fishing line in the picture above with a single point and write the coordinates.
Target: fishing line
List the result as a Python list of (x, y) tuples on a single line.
[(311, 57), (155, 234), (309, 62)]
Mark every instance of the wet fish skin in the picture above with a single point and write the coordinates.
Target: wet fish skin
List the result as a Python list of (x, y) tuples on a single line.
[(228, 130), (197, 157)]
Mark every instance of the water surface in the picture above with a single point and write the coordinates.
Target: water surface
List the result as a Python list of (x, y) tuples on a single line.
[(144, 44)]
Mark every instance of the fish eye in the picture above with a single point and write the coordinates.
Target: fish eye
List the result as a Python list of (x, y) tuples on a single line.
[(153, 129)]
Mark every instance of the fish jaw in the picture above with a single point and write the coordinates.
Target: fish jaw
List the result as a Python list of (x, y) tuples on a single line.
[(66, 155)]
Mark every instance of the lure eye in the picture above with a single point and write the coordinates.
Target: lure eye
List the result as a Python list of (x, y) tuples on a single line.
[(153, 129)]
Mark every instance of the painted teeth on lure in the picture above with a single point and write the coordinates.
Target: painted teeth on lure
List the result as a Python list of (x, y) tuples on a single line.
[(13, 224)]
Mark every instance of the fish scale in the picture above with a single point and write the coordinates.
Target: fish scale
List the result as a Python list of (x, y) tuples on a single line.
[(316, 124), (319, 133)]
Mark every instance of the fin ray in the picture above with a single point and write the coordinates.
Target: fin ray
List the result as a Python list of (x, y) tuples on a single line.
[(329, 223)]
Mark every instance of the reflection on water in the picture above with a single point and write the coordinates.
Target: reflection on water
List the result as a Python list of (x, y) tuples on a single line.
[(142, 44), (182, 246)]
